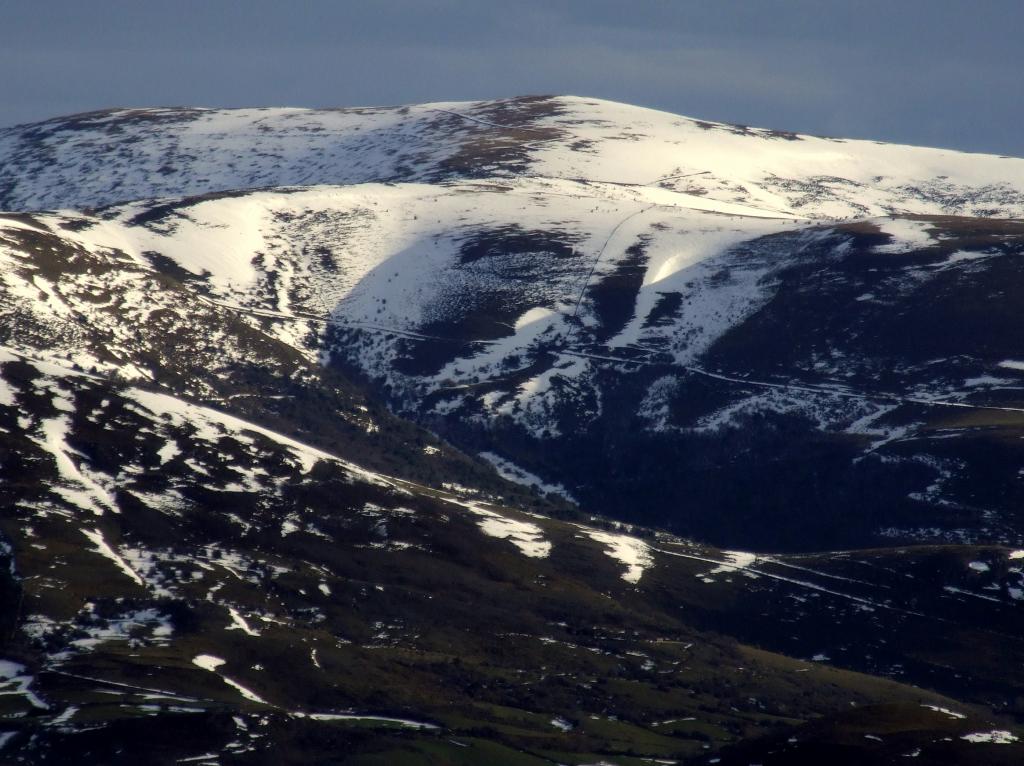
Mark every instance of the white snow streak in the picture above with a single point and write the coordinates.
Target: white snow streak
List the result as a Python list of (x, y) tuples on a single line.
[(631, 551), (96, 537)]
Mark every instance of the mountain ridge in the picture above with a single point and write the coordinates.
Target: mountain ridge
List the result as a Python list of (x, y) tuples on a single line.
[(461, 141)]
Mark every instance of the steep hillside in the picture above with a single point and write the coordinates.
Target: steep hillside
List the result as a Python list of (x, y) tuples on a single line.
[(175, 569), (98, 310)]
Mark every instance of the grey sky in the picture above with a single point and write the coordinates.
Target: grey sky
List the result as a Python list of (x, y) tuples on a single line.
[(935, 72)]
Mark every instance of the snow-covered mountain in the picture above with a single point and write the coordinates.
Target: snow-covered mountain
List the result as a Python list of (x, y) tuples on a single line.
[(100, 158), (593, 296), (274, 384)]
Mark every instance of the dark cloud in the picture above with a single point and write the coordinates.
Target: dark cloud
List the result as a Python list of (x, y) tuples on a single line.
[(939, 72)]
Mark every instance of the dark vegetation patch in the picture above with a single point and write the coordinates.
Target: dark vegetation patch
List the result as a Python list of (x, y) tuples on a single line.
[(77, 224), (173, 269), (665, 310), (881, 734), (501, 147), (510, 241), (778, 481), (745, 130), (110, 121), (52, 255), (827, 307), (26, 218), (770, 483), (161, 212), (501, 274), (614, 296)]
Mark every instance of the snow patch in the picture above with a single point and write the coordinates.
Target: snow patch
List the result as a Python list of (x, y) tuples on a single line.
[(562, 724), (995, 737), (631, 551), (96, 537), (945, 711), (14, 680), (207, 662), (527, 537), (735, 561), (239, 623), (357, 717), (907, 235), (510, 471), (247, 693)]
